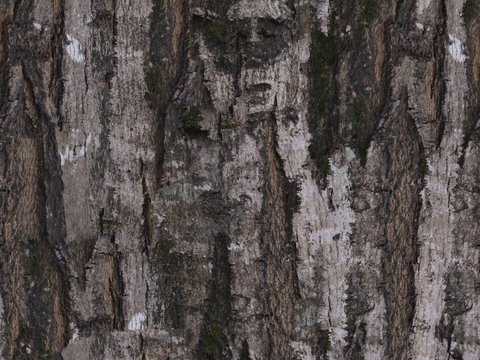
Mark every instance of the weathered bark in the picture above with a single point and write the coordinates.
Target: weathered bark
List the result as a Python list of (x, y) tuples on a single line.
[(270, 179)]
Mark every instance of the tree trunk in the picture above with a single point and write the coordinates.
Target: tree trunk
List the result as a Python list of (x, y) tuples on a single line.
[(234, 179)]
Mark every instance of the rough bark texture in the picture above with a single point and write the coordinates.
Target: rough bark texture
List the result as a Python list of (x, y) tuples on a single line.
[(235, 179)]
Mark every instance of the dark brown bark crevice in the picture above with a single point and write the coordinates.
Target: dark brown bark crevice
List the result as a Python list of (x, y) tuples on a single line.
[(473, 78), (439, 83), (358, 303), (117, 291), (51, 200), (349, 80), (278, 247), (402, 208), (146, 210), (214, 339), (56, 86), (168, 40), (34, 260)]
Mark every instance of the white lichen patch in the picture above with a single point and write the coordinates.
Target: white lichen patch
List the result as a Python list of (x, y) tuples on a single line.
[(349, 154), (455, 49), (202, 188), (136, 323), (73, 153), (335, 241), (304, 49), (75, 49), (177, 164), (235, 247), (74, 332), (177, 340)]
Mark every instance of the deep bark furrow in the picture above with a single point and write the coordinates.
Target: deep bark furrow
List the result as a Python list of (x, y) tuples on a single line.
[(402, 206), (278, 247)]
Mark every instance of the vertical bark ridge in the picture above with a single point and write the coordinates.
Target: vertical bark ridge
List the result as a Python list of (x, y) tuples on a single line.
[(459, 319), (437, 273)]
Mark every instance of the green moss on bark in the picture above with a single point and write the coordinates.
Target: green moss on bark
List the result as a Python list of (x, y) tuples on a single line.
[(324, 60), (213, 343), (369, 10), (325, 343), (191, 120), (359, 115), (214, 32), (470, 11)]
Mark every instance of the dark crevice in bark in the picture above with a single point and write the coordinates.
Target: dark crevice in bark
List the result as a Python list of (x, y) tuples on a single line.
[(245, 352), (366, 91), (214, 342), (45, 265), (403, 204), (50, 207), (238, 71), (56, 84), (40, 257), (4, 71), (103, 66), (170, 270), (22, 10), (347, 113), (278, 248), (162, 78), (357, 304), (147, 202), (323, 120), (439, 82), (147, 227), (472, 112), (4, 96), (142, 347), (358, 301), (117, 290)]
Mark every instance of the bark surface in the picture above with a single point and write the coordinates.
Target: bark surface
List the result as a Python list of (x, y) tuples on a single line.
[(235, 179)]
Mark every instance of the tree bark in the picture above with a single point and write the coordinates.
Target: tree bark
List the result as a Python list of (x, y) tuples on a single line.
[(269, 179)]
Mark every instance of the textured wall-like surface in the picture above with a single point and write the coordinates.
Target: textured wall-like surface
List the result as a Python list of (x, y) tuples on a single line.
[(264, 179)]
